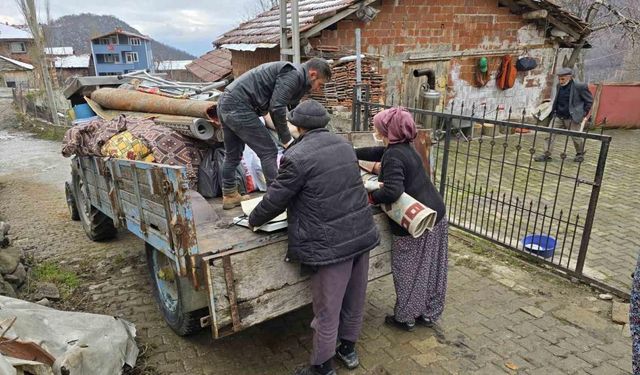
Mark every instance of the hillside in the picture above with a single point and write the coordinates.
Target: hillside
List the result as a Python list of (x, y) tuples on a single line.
[(76, 30)]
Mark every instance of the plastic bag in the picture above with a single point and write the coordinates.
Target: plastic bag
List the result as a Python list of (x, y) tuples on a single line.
[(526, 63), (208, 185), (210, 174)]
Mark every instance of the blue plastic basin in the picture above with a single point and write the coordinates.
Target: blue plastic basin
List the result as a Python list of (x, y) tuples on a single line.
[(83, 111), (540, 244)]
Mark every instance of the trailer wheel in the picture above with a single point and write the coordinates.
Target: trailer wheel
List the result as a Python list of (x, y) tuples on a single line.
[(167, 290), (71, 202), (97, 225)]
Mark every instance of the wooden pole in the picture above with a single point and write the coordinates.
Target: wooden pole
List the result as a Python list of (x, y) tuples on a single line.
[(41, 60)]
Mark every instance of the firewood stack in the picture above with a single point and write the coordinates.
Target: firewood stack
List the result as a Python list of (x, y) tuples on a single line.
[(339, 92)]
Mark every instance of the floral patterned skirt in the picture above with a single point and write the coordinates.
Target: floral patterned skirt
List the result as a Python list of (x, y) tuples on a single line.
[(634, 319), (419, 267)]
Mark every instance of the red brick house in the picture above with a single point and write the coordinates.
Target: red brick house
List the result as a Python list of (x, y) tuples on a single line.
[(449, 36)]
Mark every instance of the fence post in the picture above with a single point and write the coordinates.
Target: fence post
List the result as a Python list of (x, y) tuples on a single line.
[(445, 157), (593, 202), (367, 98), (355, 110)]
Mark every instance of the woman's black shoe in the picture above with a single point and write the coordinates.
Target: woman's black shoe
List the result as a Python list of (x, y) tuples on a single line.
[(425, 321), (391, 320)]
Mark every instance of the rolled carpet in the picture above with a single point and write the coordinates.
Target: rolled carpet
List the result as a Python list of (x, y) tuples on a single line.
[(128, 100)]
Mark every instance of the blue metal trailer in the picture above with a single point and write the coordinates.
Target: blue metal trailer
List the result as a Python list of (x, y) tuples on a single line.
[(205, 270)]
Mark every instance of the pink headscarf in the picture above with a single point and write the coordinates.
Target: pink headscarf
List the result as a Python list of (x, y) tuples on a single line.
[(396, 124)]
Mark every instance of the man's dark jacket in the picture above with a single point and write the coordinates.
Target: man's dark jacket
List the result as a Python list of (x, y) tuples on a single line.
[(580, 101), (272, 88), (319, 183)]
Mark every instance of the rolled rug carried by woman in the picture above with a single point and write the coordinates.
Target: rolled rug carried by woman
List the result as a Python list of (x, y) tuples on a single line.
[(413, 216)]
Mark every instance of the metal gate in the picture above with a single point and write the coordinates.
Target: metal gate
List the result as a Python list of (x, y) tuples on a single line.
[(486, 171)]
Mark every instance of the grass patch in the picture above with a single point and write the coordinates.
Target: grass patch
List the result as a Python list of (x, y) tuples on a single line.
[(40, 129), (50, 272)]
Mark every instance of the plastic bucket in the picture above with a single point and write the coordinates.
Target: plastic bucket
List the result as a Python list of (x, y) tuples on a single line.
[(539, 244), (83, 111)]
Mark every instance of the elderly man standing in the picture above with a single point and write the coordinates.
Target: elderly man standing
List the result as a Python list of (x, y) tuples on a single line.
[(331, 231), (269, 88), (571, 108)]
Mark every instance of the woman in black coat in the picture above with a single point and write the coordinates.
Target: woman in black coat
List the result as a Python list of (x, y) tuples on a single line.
[(419, 265)]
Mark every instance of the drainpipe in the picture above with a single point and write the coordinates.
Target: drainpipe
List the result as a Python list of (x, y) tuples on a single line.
[(431, 76)]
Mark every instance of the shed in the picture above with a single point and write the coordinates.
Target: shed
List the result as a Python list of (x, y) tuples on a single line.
[(448, 36)]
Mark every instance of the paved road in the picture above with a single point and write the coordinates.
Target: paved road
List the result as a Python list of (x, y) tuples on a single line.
[(485, 329)]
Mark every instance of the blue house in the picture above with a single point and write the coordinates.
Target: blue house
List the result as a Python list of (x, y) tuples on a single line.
[(120, 52)]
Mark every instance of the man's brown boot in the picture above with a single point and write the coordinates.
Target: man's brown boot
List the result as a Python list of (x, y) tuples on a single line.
[(232, 200)]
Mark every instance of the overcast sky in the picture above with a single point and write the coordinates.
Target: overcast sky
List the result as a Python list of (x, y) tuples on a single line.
[(190, 25)]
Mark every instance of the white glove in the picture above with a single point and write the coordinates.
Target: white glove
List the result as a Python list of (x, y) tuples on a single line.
[(371, 185)]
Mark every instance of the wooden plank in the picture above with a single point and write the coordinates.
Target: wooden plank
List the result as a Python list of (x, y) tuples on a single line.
[(145, 190), (277, 302), (231, 294), (264, 268), (155, 221), (147, 204)]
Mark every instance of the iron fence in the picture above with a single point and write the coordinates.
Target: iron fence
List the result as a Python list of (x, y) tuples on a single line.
[(487, 173)]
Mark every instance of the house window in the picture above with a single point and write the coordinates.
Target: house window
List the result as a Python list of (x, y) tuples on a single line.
[(112, 58), (18, 47), (131, 57), (135, 41), (113, 39)]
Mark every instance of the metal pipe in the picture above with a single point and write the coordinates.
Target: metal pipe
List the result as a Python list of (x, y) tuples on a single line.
[(295, 31), (215, 85), (431, 76), (358, 64)]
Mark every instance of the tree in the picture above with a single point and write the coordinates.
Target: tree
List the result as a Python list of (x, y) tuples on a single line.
[(259, 6), (28, 10), (619, 20)]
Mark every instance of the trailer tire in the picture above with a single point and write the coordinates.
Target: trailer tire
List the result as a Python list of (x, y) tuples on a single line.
[(97, 225), (167, 292), (71, 202)]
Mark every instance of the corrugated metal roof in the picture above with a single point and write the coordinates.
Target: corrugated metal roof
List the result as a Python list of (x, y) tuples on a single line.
[(173, 65), (10, 32), (20, 64), (212, 66), (59, 51), (69, 62), (265, 28)]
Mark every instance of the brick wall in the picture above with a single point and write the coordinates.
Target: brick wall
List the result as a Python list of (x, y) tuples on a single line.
[(421, 24), (449, 28), (242, 61), (5, 50)]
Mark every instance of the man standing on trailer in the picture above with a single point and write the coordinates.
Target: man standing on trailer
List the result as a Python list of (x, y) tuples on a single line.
[(269, 88)]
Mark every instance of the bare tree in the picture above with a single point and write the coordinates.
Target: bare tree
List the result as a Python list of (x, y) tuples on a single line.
[(257, 7), (28, 10), (619, 21)]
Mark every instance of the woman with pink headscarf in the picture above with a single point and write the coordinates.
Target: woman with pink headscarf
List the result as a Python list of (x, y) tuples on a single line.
[(419, 265)]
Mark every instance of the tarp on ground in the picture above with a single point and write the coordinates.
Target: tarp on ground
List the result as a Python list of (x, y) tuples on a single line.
[(82, 343)]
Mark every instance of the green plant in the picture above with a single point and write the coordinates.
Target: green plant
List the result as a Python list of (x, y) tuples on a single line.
[(53, 273)]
